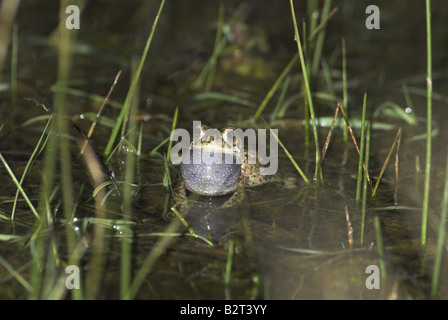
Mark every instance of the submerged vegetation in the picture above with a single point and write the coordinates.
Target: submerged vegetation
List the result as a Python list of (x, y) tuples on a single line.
[(102, 201)]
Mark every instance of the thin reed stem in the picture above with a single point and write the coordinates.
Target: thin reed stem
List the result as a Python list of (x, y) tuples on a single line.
[(8, 10), (365, 183), (441, 236), (361, 152), (428, 125), (379, 244), (307, 89), (320, 38), (344, 84), (126, 240), (229, 269), (100, 111), (96, 263), (14, 63)]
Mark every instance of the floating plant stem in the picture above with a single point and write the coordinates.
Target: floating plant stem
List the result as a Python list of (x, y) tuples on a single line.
[(307, 88), (428, 124)]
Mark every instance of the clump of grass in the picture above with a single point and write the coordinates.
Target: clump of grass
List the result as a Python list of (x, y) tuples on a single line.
[(42, 279)]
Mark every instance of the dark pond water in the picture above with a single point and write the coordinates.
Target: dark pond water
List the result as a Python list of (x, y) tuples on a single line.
[(287, 241)]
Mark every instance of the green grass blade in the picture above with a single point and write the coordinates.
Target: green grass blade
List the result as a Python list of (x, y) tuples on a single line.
[(229, 269), (135, 79), (153, 255), (15, 274), (173, 127), (18, 185), (365, 183), (361, 152), (274, 88), (307, 88), (320, 38), (380, 248), (287, 153), (428, 123), (441, 236), (344, 84), (36, 152)]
